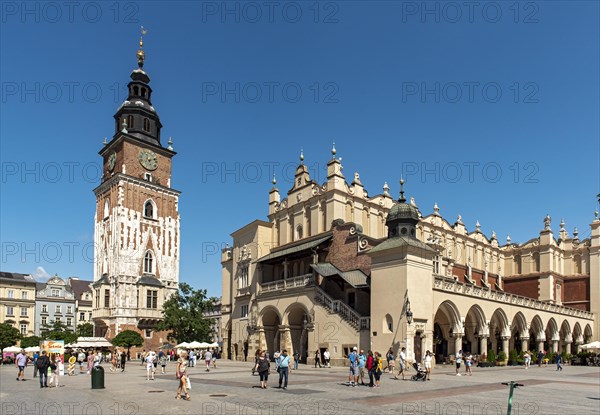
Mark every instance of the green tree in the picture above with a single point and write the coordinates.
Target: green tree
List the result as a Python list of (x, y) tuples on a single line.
[(85, 330), (184, 315), (128, 339), (9, 336), (30, 341), (57, 331)]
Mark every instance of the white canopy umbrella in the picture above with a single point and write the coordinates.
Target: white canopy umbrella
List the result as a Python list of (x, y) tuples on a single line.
[(183, 345), (11, 349), (215, 344), (204, 345), (32, 349), (195, 345), (594, 346)]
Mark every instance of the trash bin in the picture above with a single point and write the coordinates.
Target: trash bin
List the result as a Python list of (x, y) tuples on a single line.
[(97, 377)]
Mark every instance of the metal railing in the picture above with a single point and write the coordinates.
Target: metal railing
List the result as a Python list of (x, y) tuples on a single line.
[(299, 281), (345, 311)]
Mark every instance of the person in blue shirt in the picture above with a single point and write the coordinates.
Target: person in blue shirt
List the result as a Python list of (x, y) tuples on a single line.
[(35, 368), (284, 367), (362, 360)]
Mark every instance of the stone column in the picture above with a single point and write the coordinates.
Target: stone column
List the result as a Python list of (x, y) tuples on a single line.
[(262, 338), (457, 342), (475, 345), (524, 343), (540, 344), (285, 339), (568, 347), (555, 346), (505, 345), (484, 345), (285, 269)]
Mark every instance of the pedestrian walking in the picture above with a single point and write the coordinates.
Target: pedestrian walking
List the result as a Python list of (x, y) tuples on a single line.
[(21, 364), (353, 375), (370, 363), (162, 357), (207, 359), (215, 355), (275, 358), (327, 358), (54, 371), (427, 362), (35, 369), (150, 356), (458, 361), (296, 360), (526, 359), (143, 357), (317, 359), (378, 368), (558, 362), (256, 356), (390, 358), (42, 364), (90, 362), (402, 369), (113, 362), (182, 375), (540, 357), (123, 360), (262, 367), (81, 360), (284, 365), (468, 364)]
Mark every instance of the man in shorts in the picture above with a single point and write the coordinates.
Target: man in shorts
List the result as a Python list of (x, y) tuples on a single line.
[(21, 362), (402, 368), (353, 376), (362, 361)]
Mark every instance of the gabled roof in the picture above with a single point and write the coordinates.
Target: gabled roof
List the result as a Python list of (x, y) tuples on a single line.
[(80, 286), (16, 277), (148, 280), (399, 241)]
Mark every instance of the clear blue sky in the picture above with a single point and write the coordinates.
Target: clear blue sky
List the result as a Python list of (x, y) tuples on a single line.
[(398, 88)]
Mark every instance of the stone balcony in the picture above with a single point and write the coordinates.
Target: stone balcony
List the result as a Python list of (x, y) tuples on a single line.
[(286, 284)]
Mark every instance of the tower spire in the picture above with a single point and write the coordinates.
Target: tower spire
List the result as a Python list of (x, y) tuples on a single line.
[(402, 199)]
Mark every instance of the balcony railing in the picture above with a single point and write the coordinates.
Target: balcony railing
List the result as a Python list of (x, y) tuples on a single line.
[(243, 291), (300, 281)]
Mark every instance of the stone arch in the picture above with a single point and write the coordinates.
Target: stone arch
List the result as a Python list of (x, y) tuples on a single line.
[(296, 320), (270, 320), (587, 334), (519, 333), (566, 337), (577, 335), (551, 330), (447, 327), (475, 326), (499, 330)]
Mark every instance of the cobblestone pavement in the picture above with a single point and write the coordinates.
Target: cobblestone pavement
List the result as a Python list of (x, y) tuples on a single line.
[(231, 389)]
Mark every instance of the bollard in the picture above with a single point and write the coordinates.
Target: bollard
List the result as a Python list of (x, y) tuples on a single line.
[(97, 377)]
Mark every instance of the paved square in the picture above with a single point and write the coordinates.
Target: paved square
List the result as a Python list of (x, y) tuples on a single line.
[(231, 389)]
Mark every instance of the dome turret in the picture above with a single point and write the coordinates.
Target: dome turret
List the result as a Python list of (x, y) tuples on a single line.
[(402, 218)]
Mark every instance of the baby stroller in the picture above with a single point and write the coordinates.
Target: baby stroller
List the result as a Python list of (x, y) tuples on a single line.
[(421, 374)]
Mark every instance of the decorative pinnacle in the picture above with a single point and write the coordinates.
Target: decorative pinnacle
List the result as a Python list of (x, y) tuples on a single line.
[(124, 130), (170, 143), (478, 226), (436, 208), (562, 224), (575, 233), (274, 181), (333, 150), (402, 199), (386, 188), (596, 215), (301, 156), (507, 239), (140, 53), (105, 142)]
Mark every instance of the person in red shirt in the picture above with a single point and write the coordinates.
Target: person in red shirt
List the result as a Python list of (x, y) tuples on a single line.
[(371, 367)]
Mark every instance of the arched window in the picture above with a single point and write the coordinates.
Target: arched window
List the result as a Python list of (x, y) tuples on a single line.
[(149, 210), (388, 324), (135, 90), (144, 92), (130, 121), (148, 263), (146, 124), (299, 232), (106, 208)]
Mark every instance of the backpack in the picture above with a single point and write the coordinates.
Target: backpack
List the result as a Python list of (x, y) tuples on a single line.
[(41, 363)]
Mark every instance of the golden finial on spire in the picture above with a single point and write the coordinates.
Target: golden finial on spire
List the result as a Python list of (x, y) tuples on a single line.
[(140, 53)]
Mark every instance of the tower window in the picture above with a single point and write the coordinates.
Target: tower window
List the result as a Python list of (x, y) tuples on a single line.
[(130, 121), (148, 263), (148, 176), (135, 90), (143, 92), (106, 208), (150, 210), (146, 124)]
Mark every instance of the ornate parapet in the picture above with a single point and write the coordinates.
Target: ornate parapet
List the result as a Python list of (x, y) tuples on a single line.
[(450, 285)]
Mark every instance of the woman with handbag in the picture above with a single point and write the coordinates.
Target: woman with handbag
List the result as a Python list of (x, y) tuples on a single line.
[(181, 374)]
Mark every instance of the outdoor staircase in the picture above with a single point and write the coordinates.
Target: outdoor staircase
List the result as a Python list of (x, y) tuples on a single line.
[(354, 319)]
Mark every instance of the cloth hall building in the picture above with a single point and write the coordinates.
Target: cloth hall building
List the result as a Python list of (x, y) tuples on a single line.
[(331, 265)]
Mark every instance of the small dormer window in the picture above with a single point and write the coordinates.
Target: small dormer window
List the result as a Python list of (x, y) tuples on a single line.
[(146, 125)]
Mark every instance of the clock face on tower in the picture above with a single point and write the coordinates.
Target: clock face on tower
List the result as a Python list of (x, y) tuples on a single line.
[(148, 159), (111, 161)]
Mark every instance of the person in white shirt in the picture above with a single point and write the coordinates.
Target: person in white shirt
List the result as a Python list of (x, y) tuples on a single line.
[(458, 361), (402, 364), (150, 365), (427, 362), (207, 359), (326, 357)]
